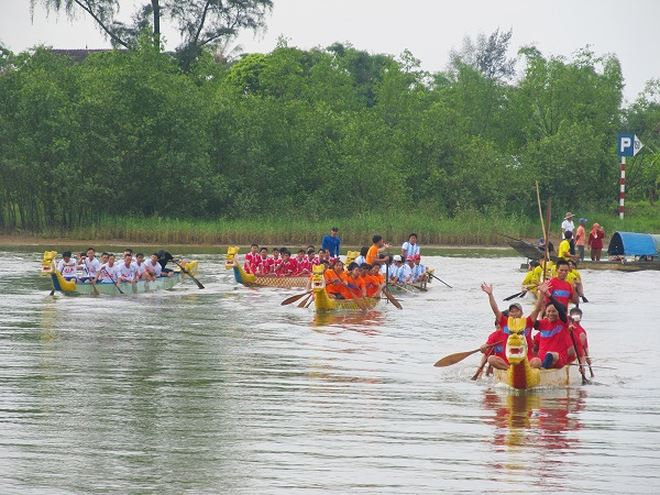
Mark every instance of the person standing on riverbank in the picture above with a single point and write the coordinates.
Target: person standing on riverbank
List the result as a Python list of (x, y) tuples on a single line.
[(595, 241), (331, 243), (567, 225), (580, 238)]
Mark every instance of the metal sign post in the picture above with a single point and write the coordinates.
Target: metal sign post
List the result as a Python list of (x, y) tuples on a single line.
[(626, 145)]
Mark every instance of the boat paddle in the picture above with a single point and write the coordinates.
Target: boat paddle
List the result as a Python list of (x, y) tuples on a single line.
[(517, 294), (304, 300), (392, 299), (113, 280), (95, 291), (439, 279), (199, 284), (585, 381), (477, 373), (457, 357), (294, 298)]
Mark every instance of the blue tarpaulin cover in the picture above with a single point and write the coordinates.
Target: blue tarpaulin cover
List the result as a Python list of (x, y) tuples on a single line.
[(632, 244)]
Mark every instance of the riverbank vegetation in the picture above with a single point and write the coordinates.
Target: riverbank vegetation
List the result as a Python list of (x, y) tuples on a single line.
[(130, 145)]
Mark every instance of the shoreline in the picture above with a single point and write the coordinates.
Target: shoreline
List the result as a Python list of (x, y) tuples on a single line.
[(18, 240)]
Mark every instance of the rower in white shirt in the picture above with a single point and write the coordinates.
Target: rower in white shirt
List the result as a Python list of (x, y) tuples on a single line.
[(89, 265), (127, 271), (153, 268), (140, 267), (108, 272), (68, 266), (419, 271)]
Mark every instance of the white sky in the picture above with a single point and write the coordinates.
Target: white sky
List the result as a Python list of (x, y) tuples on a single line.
[(429, 29)]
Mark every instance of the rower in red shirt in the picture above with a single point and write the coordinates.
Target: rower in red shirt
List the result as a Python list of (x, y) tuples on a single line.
[(559, 288), (251, 258), (580, 334), (304, 266), (515, 311), (554, 339), (261, 263), (288, 266)]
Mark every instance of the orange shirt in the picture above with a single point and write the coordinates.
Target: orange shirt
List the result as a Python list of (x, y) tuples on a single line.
[(333, 288), (373, 284), (372, 254), (358, 286)]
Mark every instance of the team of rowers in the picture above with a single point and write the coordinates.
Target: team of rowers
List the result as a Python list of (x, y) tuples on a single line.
[(559, 337), (87, 268), (363, 276)]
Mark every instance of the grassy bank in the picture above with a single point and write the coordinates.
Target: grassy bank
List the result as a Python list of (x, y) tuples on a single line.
[(465, 229)]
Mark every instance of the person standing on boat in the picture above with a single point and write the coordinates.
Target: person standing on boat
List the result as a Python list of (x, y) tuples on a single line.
[(565, 251), (378, 245), (580, 238), (515, 311), (331, 243), (595, 241), (410, 247), (68, 267), (567, 225)]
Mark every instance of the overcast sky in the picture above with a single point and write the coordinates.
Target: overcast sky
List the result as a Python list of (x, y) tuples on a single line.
[(429, 29)]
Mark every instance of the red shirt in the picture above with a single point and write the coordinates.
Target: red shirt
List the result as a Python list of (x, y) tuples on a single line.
[(287, 268), (498, 337), (577, 332), (561, 290), (553, 337)]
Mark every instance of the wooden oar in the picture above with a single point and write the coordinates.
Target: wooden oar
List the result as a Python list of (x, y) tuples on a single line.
[(457, 357), (577, 356), (392, 299), (113, 280), (477, 373), (95, 291), (517, 294), (304, 300), (292, 299), (199, 284), (438, 278)]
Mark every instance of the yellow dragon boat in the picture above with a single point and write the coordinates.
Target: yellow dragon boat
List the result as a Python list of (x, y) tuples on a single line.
[(252, 280), (72, 288), (324, 303), (520, 375)]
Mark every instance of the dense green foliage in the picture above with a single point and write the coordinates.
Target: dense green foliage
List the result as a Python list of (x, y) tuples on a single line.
[(325, 133)]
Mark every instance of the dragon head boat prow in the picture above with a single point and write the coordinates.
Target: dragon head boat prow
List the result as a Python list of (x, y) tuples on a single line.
[(318, 280), (520, 374), (232, 252)]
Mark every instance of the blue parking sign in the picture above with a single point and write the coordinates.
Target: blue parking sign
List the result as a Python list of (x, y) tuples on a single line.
[(625, 144)]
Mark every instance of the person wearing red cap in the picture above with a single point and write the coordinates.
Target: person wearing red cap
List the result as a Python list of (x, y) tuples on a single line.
[(419, 271)]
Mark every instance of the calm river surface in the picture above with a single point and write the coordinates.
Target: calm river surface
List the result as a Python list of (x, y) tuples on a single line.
[(223, 390)]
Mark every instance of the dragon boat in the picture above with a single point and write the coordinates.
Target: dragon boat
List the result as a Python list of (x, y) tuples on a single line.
[(252, 280), (72, 288), (520, 375), (324, 303)]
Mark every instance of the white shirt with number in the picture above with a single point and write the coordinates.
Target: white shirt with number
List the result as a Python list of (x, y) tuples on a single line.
[(68, 269)]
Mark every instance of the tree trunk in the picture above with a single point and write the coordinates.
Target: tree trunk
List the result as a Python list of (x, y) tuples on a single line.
[(156, 7)]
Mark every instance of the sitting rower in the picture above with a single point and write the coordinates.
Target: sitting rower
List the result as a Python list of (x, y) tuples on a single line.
[(335, 282), (553, 337), (580, 334), (575, 279), (355, 282), (90, 265), (515, 311), (304, 266), (140, 267), (127, 271), (288, 266), (152, 268), (108, 271), (68, 267), (531, 282), (419, 275), (251, 258), (375, 281)]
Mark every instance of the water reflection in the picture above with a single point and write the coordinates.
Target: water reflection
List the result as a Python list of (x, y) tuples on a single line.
[(366, 322)]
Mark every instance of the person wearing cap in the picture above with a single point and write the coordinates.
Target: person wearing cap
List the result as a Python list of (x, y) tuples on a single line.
[(567, 225), (67, 266), (580, 238), (331, 242), (396, 271), (515, 311), (419, 271)]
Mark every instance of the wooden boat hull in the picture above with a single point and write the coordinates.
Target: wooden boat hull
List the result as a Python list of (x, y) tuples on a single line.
[(550, 378), (71, 288), (324, 303), (408, 288), (251, 280), (86, 289)]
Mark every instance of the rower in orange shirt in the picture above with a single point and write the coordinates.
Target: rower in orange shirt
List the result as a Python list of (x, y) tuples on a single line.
[(335, 282)]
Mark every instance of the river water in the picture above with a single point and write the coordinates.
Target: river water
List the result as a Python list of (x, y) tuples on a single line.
[(223, 390)]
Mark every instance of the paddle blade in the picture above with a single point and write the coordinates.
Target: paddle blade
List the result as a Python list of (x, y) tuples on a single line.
[(292, 299), (513, 296), (457, 357), (392, 299)]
